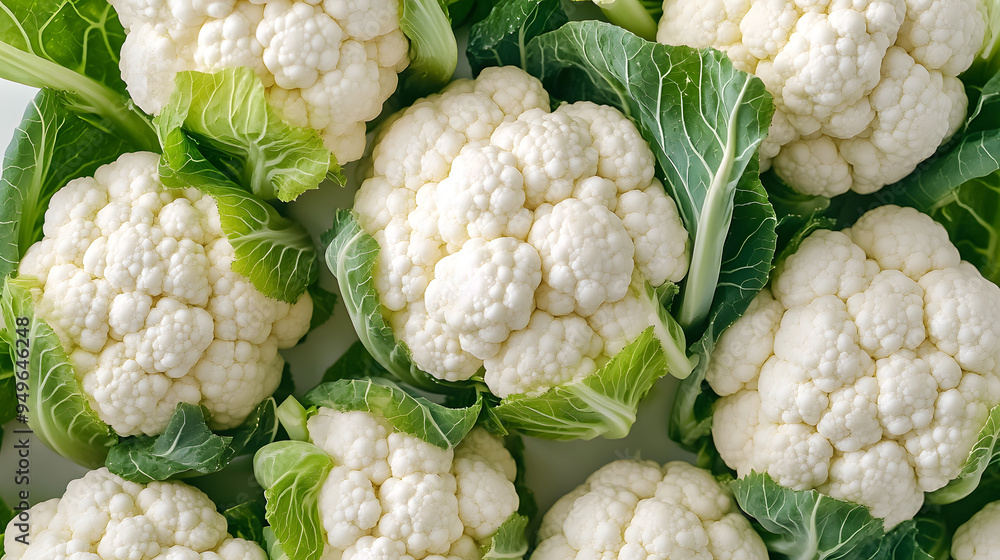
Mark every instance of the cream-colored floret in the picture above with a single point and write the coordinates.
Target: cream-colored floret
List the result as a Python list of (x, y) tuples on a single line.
[(326, 65), (637, 509), (146, 303), (863, 91), (870, 373), (504, 227), (103, 517), (979, 537)]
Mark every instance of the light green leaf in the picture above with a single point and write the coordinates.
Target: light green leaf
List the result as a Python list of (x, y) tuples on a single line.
[(293, 416), (58, 411), (240, 134), (433, 49), (51, 146), (188, 446), (510, 540), (292, 474), (276, 254), (984, 452), (804, 524), (436, 424), (72, 46)]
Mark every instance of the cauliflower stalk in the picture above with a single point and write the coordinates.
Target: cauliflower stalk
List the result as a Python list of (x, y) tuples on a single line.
[(517, 246), (387, 474), (104, 517), (866, 371), (145, 296), (864, 91), (328, 66), (638, 509)]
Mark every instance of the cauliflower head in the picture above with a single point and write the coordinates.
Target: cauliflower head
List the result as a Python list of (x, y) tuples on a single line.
[(326, 65), (136, 281), (863, 90), (638, 509), (979, 537), (394, 495), (868, 368), (514, 239), (104, 517)]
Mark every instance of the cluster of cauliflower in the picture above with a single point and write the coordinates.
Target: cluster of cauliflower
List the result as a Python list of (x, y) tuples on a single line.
[(633, 509), (867, 370), (979, 537), (136, 281), (327, 65), (393, 495), (515, 238), (864, 90), (102, 517)]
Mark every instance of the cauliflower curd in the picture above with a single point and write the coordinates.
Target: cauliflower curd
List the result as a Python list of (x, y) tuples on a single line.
[(979, 537), (393, 495), (136, 281), (513, 238), (636, 509), (864, 90), (867, 370), (104, 517), (326, 65)]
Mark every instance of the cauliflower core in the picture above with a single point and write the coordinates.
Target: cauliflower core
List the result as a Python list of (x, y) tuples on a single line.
[(864, 90), (137, 283), (979, 537), (104, 517), (867, 370), (517, 239), (636, 509), (326, 65), (393, 495)]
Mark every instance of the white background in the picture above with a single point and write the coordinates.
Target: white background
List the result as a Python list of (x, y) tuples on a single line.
[(553, 468)]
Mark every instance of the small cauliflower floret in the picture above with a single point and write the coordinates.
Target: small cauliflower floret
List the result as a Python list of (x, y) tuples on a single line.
[(103, 517), (880, 374), (498, 219), (393, 495), (150, 310), (325, 65), (863, 91), (635, 509), (979, 537)]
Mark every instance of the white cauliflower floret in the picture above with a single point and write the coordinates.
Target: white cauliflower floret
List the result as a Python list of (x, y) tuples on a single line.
[(498, 221), (103, 517), (393, 495), (880, 375), (863, 91), (149, 310), (634, 509), (325, 65), (978, 538)]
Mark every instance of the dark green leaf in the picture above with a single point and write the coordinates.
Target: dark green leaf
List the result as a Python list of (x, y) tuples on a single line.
[(246, 521), (501, 39), (8, 384), (356, 363), (236, 130), (323, 304)]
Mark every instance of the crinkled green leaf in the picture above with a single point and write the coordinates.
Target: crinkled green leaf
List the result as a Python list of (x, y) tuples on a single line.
[(436, 424), (188, 446), (907, 542), (72, 46), (351, 253), (704, 121), (510, 540), (804, 524), (239, 133), (292, 474), (51, 146), (58, 411), (246, 521), (276, 254), (501, 39)]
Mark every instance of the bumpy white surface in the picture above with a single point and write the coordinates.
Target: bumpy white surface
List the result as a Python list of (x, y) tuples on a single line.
[(393, 495), (137, 283), (638, 509), (505, 228), (868, 368), (979, 537), (326, 65), (104, 517), (864, 89)]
